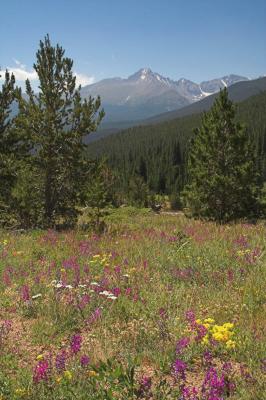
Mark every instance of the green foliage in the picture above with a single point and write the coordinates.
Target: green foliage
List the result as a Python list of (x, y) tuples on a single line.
[(98, 196), (163, 147), (175, 201), (56, 122), (138, 192), (27, 198), (9, 145), (222, 172)]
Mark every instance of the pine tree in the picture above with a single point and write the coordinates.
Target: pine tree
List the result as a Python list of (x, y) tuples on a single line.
[(222, 174), (143, 169), (99, 195), (56, 121), (9, 146)]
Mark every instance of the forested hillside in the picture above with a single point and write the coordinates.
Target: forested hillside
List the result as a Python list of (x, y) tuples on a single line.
[(239, 91), (157, 152)]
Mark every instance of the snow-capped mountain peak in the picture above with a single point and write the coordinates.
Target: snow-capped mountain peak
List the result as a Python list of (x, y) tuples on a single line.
[(147, 75), (146, 93), (141, 74)]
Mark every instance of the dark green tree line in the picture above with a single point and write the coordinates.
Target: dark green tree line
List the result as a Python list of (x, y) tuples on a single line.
[(164, 146)]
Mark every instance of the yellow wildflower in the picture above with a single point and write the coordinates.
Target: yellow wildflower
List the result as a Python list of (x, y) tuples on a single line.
[(58, 379), (20, 392), (205, 340), (68, 375), (228, 325), (92, 373), (39, 357), (230, 344), (209, 320), (218, 336)]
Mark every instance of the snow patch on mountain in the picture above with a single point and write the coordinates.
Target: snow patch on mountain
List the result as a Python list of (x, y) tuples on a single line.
[(147, 93), (224, 83), (205, 94)]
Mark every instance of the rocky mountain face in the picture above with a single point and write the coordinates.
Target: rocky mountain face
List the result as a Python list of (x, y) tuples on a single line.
[(147, 93)]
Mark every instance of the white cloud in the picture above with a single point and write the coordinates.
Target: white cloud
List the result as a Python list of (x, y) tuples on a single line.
[(83, 80), (21, 74)]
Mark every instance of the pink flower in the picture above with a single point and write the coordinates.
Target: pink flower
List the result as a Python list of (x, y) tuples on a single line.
[(25, 293), (41, 371)]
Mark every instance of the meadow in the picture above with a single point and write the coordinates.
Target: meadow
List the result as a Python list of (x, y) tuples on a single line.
[(158, 307)]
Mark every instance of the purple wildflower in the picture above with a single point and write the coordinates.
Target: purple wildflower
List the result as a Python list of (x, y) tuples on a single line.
[(25, 293), (75, 343), (182, 344), (60, 360), (179, 369), (241, 242), (84, 360), (145, 386), (190, 316), (214, 387), (189, 393), (201, 332), (116, 291), (227, 367), (117, 269), (94, 316), (85, 299), (207, 357)]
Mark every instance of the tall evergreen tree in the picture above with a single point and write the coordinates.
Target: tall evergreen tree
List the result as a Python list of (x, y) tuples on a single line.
[(143, 169), (9, 145), (222, 174), (56, 121)]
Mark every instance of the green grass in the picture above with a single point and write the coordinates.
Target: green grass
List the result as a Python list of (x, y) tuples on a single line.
[(158, 268)]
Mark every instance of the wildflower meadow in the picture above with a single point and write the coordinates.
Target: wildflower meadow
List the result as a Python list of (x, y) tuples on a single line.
[(157, 307)]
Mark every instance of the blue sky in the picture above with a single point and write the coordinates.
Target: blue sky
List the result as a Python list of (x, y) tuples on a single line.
[(195, 39)]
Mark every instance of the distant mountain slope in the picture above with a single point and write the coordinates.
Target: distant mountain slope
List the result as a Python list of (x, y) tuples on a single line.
[(160, 149), (237, 92), (147, 93)]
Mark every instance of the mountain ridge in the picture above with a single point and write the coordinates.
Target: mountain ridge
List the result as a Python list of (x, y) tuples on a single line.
[(237, 93), (146, 93)]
